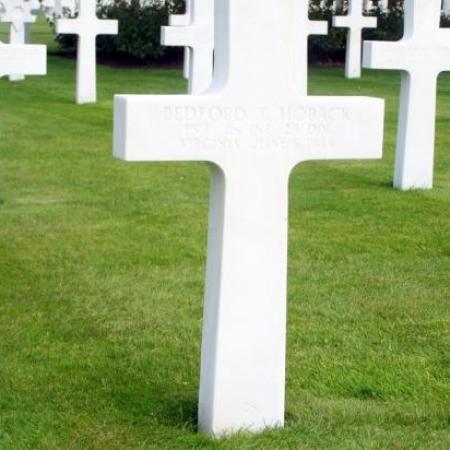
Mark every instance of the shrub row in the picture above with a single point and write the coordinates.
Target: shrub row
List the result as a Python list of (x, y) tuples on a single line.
[(139, 31), (140, 22)]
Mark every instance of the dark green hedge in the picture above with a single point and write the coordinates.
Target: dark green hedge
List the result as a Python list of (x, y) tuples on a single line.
[(139, 37), (139, 31)]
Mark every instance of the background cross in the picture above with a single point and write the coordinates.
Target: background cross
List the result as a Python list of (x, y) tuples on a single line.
[(355, 21), (24, 59), (87, 26), (183, 20), (422, 54), (198, 36), (18, 13), (253, 126)]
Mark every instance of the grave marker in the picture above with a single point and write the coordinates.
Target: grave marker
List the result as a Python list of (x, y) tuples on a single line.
[(198, 36), (253, 127), (183, 20), (87, 26), (355, 21), (18, 13), (422, 54), (24, 59)]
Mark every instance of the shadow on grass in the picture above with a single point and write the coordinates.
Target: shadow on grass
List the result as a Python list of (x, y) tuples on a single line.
[(160, 402)]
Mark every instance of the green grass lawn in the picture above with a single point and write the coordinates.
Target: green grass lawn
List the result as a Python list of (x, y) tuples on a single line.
[(102, 271)]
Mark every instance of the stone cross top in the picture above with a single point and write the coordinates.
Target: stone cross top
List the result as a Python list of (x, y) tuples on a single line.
[(253, 126), (23, 59), (198, 36), (355, 21), (422, 54), (18, 13), (87, 26)]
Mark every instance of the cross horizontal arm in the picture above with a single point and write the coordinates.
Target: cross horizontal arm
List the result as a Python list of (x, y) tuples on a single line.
[(68, 26), (23, 59), (15, 21), (93, 26), (177, 36), (318, 27), (360, 22), (408, 56), (205, 128), (179, 20)]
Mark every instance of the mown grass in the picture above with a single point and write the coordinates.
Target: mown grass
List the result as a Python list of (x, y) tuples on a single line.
[(101, 284)]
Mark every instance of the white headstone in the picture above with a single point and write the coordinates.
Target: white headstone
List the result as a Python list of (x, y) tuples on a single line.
[(87, 26), (422, 54), (18, 13), (24, 59), (183, 20), (355, 21), (253, 126), (198, 36)]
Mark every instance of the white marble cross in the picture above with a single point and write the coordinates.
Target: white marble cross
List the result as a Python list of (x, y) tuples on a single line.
[(87, 26), (23, 59), (355, 21), (183, 20), (253, 126), (198, 35), (422, 54), (18, 13)]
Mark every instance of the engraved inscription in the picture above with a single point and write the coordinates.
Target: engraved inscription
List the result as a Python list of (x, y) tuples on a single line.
[(259, 128)]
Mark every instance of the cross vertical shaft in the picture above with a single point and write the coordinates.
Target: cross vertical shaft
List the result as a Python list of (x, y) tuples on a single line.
[(16, 37), (86, 89), (244, 333), (414, 158), (353, 54)]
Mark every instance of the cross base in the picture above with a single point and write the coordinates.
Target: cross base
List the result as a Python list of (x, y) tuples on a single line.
[(244, 328)]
